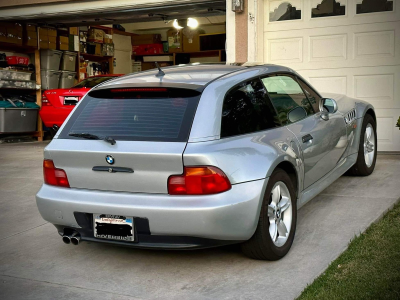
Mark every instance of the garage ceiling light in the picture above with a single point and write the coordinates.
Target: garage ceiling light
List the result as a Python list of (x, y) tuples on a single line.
[(192, 23), (182, 23), (176, 25)]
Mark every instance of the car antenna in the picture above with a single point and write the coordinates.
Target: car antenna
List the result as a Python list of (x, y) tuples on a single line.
[(160, 72)]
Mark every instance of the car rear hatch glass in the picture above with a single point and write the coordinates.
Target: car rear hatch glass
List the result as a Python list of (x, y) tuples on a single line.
[(151, 128)]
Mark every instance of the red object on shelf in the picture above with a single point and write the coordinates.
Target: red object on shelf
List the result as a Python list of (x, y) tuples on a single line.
[(17, 60), (147, 49)]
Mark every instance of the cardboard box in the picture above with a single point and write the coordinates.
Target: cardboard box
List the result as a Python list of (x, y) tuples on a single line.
[(73, 30), (30, 38), (98, 49), (62, 43), (43, 42), (30, 28), (95, 35), (146, 39), (108, 39), (52, 32), (174, 41), (43, 32)]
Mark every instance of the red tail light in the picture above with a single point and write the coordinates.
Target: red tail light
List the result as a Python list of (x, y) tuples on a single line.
[(199, 181), (53, 176), (138, 90), (45, 101)]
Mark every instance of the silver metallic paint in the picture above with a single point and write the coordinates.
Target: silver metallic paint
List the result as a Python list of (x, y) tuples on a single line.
[(247, 160)]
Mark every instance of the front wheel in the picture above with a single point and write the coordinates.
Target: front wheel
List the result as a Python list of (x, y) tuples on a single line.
[(277, 223), (367, 150)]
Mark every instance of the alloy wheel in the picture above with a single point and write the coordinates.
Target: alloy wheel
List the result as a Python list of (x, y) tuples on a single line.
[(280, 214), (369, 145)]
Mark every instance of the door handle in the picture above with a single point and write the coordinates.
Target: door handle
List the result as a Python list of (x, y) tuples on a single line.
[(307, 138)]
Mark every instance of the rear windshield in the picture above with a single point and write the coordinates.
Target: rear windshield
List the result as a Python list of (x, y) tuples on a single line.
[(135, 116), (93, 81)]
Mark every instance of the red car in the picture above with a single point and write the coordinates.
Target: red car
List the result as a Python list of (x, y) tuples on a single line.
[(57, 104)]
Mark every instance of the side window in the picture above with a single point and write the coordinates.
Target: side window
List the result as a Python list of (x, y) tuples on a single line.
[(247, 109), (312, 95), (286, 94)]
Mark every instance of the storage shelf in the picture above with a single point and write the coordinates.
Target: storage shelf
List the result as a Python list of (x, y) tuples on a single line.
[(17, 47), (94, 56)]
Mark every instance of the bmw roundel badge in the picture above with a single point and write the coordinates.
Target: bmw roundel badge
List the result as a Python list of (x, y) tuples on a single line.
[(110, 160)]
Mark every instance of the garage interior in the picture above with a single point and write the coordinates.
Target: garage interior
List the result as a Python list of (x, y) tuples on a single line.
[(58, 50)]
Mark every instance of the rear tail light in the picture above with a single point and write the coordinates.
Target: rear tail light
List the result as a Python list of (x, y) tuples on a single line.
[(54, 176), (198, 181), (45, 101)]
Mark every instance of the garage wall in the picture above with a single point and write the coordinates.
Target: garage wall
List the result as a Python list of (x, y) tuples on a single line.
[(351, 53)]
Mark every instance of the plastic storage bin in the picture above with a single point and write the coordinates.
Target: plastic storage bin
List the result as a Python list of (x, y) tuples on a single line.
[(67, 79), (17, 60), (17, 84), (50, 79), (8, 74), (18, 119), (68, 61), (50, 59)]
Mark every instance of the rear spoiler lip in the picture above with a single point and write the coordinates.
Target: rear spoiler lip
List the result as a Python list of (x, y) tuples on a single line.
[(195, 87)]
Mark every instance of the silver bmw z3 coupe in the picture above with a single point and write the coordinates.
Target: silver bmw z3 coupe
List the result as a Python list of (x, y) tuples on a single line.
[(199, 156)]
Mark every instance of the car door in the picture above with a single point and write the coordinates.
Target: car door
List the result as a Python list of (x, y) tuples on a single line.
[(321, 141)]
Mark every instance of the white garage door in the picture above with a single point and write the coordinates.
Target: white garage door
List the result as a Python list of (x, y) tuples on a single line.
[(345, 46)]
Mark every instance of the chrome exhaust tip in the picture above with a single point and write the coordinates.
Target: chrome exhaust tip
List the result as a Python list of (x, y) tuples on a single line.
[(66, 239), (75, 238)]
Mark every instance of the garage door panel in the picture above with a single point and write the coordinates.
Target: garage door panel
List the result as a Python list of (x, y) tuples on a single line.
[(388, 134), (338, 47), (330, 84), (307, 22), (378, 89)]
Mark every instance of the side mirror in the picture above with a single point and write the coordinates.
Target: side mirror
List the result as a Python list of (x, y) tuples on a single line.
[(328, 105), (296, 114)]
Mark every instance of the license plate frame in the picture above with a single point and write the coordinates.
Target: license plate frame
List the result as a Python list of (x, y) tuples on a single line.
[(71, 100), (114, 227)]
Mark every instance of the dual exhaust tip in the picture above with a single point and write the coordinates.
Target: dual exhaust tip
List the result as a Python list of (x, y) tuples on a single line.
[(73, 238)]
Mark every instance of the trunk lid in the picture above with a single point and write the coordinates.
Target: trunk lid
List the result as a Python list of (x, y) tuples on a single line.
[(57, 97), (152, 164)]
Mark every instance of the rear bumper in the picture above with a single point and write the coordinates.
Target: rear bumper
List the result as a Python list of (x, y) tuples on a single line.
[(51, 115), (172, 221)]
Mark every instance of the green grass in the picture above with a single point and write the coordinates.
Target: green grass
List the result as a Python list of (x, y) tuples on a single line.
[(368, 269)]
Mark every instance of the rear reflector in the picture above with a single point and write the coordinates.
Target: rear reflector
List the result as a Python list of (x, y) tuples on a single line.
[(138, 90), (199, 181), (54, 176)]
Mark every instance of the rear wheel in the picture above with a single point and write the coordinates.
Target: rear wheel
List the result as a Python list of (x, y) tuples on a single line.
[(367, 150), (277, 223)]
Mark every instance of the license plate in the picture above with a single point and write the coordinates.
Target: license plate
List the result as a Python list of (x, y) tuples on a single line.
[(70, 100), (113, 227)]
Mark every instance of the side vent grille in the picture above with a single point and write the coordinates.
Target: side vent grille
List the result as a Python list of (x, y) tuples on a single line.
[(350, 116)]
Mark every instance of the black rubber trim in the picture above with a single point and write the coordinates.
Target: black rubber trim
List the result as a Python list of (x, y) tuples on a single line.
[(112, 169)]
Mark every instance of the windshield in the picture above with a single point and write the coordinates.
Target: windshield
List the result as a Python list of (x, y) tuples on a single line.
[(92, 82)]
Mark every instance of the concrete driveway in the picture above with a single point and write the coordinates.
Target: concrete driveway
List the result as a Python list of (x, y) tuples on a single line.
[(36, 264)]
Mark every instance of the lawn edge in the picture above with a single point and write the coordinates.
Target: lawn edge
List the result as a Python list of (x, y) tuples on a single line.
[(377, 219)]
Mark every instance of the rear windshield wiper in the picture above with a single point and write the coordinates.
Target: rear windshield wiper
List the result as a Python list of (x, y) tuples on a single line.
[(90, 136)]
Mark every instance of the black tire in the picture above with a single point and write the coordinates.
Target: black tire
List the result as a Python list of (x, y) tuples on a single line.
[(260, 245), (360, 168)]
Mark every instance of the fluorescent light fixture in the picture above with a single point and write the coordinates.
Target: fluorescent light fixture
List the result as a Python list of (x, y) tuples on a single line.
[(192, 23)]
